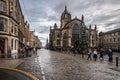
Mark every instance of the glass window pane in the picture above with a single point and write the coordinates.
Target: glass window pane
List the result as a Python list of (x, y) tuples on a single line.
[(2, 6), (2, 24)]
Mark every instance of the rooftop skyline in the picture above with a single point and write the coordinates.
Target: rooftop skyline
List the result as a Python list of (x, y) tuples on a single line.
[(41, 14)]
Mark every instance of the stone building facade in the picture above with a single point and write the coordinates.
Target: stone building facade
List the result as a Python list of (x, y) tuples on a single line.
[(110, 39), (9, 11), (72, 33), (14, 31)]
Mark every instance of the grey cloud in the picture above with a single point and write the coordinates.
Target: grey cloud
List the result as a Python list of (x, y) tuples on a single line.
[(43, 29), (108, 12)]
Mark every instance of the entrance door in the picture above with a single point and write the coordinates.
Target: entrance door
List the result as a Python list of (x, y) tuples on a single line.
[(2, 45)]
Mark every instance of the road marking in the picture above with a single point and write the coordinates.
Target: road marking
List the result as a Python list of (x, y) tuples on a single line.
[(43, 74), (21, 71)]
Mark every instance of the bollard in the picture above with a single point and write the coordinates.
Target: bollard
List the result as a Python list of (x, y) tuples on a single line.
[(116, 61)]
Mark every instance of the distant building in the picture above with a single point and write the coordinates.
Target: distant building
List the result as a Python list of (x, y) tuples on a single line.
[(47, 44), (73, 33), (34, 41), (110, 39)]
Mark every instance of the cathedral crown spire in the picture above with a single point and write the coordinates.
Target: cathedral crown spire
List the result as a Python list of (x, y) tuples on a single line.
[(65, 17), (55, 26), (83, 18), (65, 8)]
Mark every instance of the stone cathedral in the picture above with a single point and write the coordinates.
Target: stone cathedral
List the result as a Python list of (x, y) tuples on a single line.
[(72, 33)]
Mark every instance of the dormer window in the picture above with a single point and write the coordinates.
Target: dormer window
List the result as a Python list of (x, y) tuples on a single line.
[(2, 6)]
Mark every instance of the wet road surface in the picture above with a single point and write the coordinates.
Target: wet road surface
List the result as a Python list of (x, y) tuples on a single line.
[(31, 65), (59, 66), (52, 65)]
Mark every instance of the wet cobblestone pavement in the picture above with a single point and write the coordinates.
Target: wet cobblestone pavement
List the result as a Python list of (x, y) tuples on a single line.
[(59, 66), (32, 66)]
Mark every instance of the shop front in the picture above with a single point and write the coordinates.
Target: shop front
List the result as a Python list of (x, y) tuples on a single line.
[(3, 47)]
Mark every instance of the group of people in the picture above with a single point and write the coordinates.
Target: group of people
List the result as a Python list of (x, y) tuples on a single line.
[(99, 54), (27, 51)]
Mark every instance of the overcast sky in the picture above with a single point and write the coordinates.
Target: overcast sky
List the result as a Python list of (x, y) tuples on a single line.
[(41, 14)]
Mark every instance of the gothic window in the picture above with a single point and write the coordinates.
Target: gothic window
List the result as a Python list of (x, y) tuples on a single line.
[(75, 34), (65, 42), (2, 6), (65, 36), (3, 24)]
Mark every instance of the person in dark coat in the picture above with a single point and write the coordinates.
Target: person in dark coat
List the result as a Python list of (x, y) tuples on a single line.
[(110, 55), (27, 51), (89, 54), (101, 57)]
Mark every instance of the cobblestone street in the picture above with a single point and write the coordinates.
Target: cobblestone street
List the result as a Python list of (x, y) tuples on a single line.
[(60, 40), (52, 65), (59, 66), (32, 66)]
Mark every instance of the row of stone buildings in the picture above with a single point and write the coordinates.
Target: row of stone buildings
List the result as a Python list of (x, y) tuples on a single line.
[(110, 39), (14, 30), (73, 33)]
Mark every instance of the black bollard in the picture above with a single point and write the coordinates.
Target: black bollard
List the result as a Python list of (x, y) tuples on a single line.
[(116, 61)]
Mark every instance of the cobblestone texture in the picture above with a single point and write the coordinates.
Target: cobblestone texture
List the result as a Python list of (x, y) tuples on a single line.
[(32, 66), (62, 66), (58, 66)]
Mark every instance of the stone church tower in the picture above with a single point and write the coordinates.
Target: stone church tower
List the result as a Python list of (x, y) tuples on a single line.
[(65, 17), (73, 33)]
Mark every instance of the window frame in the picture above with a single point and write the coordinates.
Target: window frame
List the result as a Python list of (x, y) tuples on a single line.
[(3, 24), (2, 6)]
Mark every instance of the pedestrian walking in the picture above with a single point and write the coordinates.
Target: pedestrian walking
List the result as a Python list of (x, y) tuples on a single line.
[(34, 50), (89, 54), (27, 51), (95, 55), (110, 55), (101, 57)]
